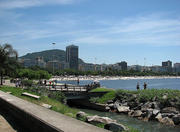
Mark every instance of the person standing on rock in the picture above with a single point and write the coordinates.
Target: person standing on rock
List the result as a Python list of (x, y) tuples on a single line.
[(137, 87), (78, 81), (145, 86)]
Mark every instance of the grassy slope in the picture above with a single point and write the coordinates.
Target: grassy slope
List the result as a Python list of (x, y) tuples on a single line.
[(56, 105)]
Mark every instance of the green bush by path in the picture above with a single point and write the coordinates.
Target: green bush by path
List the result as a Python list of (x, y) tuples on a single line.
[(102, 90)]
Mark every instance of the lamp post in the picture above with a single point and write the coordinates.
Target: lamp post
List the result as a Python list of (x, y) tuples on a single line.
[(53, 57)]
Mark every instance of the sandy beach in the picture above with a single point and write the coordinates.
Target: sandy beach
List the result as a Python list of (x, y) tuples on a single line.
[(66, 78)]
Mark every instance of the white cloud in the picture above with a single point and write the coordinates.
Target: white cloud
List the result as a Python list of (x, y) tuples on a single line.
[(11, 4)]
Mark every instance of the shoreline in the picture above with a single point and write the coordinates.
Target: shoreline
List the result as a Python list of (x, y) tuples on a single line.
[(75, 78)]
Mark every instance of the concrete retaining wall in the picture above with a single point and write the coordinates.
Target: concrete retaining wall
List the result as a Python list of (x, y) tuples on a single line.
[(39, 119)]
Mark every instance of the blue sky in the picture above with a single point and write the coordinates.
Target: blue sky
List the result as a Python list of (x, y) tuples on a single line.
[(106, 31)]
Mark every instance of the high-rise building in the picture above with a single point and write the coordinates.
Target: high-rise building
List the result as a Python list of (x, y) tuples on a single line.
[(167, 65), (176, 67), (72, 56), (123, 65)]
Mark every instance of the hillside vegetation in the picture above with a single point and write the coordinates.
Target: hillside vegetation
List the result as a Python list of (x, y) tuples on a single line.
[(48, 55)]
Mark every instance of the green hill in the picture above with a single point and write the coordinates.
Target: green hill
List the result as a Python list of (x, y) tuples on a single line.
[(48, 55)]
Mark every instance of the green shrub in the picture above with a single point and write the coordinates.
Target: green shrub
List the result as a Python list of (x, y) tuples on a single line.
[(59, 96), (27, 83)]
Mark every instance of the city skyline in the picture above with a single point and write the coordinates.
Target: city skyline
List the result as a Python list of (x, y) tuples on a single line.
[(135, 31)]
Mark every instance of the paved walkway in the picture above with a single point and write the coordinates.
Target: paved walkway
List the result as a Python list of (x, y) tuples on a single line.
[(8, 83), (50, 117), (4, 125)]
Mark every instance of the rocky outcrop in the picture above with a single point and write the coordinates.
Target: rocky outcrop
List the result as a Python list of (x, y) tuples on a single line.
[(169, 110), (165, 112), (176, 119), (167, 121), (81, 114), (123, 109), (99, 119), (115, 127), (110, 124)]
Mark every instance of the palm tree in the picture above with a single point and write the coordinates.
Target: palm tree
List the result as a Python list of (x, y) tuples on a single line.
[(7, 58)]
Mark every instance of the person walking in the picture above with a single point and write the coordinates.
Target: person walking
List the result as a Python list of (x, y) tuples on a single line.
[(78, 81), (137, 87), (145, 86)]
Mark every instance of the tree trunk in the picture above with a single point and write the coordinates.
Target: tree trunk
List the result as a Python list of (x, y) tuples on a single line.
[(1, 78)]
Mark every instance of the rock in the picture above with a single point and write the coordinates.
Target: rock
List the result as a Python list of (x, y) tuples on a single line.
[(164, 97), (170, 115), (132, 105), (99, 119), (146, 106), (123, 109), (155, 105), (109, 102), (47, 106), (81, 114), (115, 127), (176, 119), (111, 105), (169, 110), (155, 112), (167, 121), (107, 108), (130, 113), (137, 113), (149, 113), (159, 117), (125, 104), (116, 104), (138, 107)]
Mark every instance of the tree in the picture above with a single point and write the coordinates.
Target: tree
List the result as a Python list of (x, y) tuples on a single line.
[(8, 57)]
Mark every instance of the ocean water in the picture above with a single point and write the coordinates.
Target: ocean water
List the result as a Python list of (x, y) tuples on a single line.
[(130, 84)]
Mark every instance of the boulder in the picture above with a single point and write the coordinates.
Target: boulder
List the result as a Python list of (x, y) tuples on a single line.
[(149, 113), (138, 107), (109, 102), (159, 117), (99, 119), (47, 106), (115, 127), (164, 97), (155, 105), (137, 113), (146, 106), (176, 119), (170, 115), (107, 108), (155, 112), (130, 113), (167, 121), (169, 110), (123, 109), (111, 105), (81, 114)]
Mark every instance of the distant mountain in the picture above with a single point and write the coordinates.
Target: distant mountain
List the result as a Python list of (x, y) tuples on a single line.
[(49, 55)]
